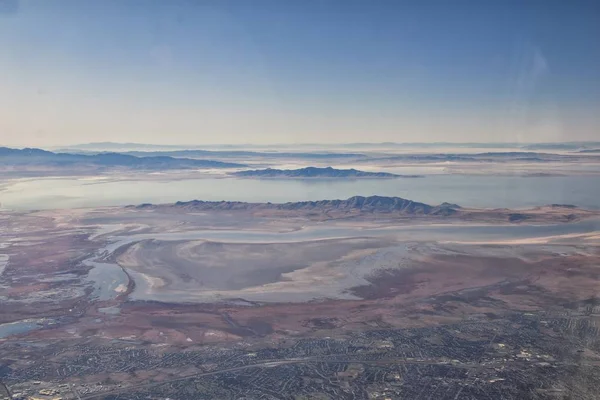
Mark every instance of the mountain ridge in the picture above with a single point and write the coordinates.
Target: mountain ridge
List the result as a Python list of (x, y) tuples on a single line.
[(378, 207), (383, 204)]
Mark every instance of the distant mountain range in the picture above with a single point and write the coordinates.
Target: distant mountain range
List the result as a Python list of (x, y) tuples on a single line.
[(32, 157), (113, 146), (118, 147), (314, 172), (507, 156), (245, 153), (380, 204), (369, 156)]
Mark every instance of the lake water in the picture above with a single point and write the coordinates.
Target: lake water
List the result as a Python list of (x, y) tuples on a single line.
[(470, 191)]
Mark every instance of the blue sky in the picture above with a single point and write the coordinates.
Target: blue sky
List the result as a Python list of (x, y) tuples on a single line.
[(264, 71)]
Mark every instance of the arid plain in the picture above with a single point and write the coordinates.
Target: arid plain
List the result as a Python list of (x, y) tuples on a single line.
[(281, 267)]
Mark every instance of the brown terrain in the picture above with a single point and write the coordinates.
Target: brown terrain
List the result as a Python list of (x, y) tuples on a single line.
[(196, 290)]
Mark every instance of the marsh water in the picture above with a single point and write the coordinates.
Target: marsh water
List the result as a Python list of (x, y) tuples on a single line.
[(18, 327)]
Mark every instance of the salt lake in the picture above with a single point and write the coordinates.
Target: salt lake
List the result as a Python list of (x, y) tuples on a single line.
[(465, 190)]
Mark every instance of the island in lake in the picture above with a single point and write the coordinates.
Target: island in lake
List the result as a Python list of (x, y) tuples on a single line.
[(316, 172)]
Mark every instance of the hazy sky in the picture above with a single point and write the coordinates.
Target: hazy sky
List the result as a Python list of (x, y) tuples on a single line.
[(260, 71)]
